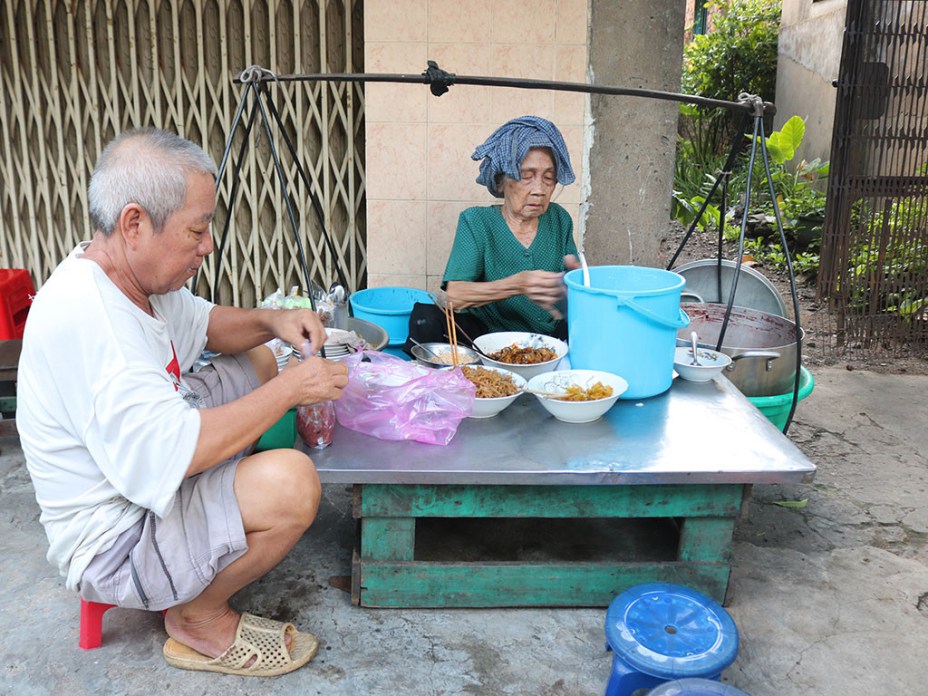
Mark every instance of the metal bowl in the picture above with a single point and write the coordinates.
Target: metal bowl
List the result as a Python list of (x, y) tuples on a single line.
[(369, 331), (466, 356)]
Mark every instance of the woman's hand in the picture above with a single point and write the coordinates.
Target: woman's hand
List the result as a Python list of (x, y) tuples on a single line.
[(542, 287)]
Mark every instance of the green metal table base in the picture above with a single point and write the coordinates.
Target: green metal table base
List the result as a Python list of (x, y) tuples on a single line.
[(386, 572)]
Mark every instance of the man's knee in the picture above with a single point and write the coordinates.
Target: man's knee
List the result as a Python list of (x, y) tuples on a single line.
[(281, 485), (264, 361)]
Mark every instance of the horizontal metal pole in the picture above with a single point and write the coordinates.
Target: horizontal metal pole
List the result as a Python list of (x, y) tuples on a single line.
[(444, 80)]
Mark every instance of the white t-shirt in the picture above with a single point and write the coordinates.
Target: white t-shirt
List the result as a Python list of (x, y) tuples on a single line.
[(101, 409)]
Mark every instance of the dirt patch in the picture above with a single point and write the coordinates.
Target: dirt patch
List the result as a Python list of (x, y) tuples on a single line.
[(817, 348)]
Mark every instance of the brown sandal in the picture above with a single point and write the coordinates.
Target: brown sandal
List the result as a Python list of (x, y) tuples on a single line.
[(255, 638)]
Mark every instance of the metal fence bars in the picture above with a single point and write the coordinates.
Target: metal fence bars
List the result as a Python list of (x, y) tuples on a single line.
[(874, 261), (74, 73)]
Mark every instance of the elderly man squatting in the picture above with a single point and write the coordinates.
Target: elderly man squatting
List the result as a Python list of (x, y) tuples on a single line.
[(149, 496)]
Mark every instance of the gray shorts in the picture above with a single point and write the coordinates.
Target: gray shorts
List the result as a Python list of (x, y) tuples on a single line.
[(162, 562)]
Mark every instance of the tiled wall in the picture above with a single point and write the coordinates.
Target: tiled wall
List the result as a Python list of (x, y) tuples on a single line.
[(419, 172)]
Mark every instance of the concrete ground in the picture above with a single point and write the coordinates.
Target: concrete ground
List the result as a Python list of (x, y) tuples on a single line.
[(830, 589)]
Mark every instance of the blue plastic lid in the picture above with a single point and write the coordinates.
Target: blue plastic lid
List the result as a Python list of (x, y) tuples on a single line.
[(696, 687), (671, 631)]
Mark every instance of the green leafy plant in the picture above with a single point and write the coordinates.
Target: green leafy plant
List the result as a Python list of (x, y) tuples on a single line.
[(798, 188), (799, 197), (738, 54), (887, 257)]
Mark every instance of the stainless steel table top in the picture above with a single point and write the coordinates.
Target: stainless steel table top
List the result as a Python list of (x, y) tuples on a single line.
[(693, 433)]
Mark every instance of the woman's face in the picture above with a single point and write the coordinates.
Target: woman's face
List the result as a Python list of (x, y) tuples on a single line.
[(529, 196)]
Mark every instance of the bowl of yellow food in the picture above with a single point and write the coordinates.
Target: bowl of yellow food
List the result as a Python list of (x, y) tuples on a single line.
[(577, 396), (526, 354), (440, 355), (496, 389)]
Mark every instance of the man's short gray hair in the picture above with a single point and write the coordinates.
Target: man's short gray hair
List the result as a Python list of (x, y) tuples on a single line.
[(148, 167)]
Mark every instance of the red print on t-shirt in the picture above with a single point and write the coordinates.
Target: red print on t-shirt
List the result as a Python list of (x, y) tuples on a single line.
[(173, 367)]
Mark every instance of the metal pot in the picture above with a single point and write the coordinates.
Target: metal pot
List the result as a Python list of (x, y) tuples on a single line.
[(762, 346), (709, 280)]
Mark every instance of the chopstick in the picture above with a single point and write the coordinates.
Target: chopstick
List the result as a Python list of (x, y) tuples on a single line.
[(550, 395), (450, 329), (439, 302)]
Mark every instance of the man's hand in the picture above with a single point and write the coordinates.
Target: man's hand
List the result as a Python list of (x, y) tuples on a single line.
[(296, 326), (316, 379)]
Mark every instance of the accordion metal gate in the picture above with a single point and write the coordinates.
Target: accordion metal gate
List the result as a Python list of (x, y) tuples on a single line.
[(73, 73)]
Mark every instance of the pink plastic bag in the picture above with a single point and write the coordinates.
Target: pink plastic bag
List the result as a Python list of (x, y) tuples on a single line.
[(392, 399)]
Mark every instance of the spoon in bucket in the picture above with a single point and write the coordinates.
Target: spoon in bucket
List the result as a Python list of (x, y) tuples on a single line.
[(586, 269)]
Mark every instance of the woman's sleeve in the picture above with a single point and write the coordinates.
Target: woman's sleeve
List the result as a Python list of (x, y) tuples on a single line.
[(466, 259)]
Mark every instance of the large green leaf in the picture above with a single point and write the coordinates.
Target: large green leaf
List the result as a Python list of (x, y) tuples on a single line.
[(782, 144)]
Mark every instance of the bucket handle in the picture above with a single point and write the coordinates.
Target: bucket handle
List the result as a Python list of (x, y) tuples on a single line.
[(681, 321), (690, 293)]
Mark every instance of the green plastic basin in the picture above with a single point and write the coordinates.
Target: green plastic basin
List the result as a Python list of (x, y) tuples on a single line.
[(776, 407)]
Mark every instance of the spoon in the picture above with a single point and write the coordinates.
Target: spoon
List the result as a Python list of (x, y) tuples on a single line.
[(473, 345), (586, 269), (427, 350), (337, 294), (695, 360)]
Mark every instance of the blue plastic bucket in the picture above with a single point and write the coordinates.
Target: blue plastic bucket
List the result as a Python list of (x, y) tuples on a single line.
[(390, 308), (626, 323)]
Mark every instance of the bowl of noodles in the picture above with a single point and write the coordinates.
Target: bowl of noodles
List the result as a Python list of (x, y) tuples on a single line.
[(577, 396), (526, 354), (496, 389)]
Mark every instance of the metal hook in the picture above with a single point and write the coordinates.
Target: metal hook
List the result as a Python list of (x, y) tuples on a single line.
[(757, 104), (256, 74)]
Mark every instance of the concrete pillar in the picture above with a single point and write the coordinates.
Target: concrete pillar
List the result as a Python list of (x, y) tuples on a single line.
[(634, 43)]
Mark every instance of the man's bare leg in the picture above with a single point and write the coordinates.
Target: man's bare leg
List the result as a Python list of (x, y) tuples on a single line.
[(278, 494)]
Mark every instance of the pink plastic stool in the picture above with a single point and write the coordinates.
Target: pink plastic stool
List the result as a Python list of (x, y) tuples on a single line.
[(91, 633)]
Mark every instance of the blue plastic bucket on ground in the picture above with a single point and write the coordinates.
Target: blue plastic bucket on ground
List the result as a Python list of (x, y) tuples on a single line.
[(626, 323), (390, 308)]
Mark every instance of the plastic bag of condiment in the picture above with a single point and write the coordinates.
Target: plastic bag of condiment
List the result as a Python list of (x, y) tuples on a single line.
[(393, 399)]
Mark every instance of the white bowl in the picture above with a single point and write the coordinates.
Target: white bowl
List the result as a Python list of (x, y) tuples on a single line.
[(487, 408), (576, 411), (711, 363), (493, 342)]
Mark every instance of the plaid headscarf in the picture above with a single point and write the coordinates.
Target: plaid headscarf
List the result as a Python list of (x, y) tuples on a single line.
[(503, 152)]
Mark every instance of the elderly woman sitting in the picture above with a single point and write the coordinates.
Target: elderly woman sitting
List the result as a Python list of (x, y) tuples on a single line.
[(507, 262), (505, 271)]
